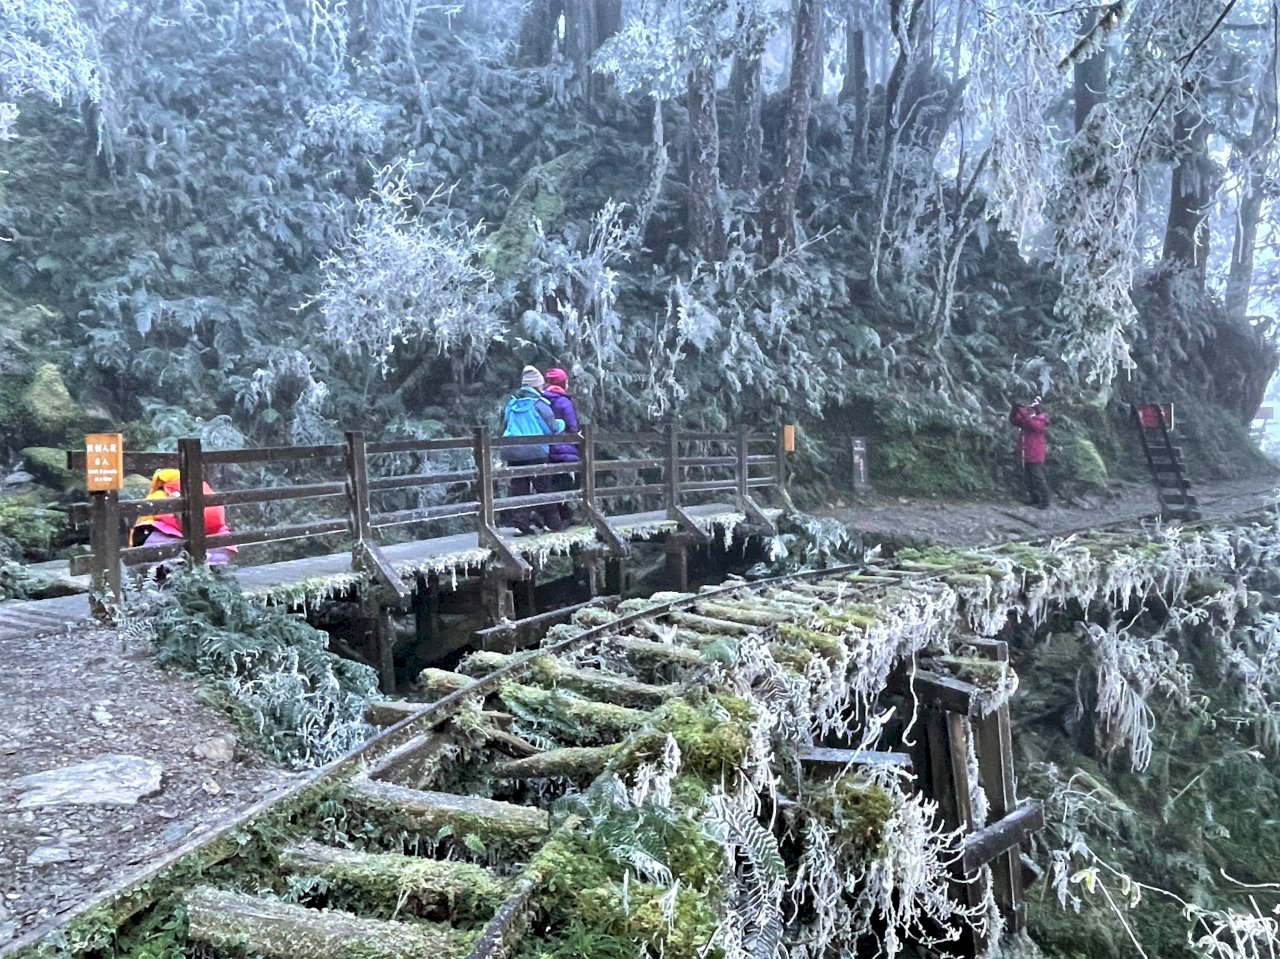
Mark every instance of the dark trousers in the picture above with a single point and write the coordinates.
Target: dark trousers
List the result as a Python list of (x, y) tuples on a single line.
[(1037, 484), (562, 483), (524, 518)]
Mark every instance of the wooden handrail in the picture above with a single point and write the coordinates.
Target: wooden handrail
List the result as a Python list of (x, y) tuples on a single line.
[(732, 467)]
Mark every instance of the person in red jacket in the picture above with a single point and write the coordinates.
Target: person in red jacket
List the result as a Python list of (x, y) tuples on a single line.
[(1033, 445), (167, 528)]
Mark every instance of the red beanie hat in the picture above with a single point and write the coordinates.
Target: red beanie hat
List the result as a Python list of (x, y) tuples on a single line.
[(557, 377)]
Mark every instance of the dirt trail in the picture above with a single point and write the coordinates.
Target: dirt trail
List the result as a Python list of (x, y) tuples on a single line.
[(974, 523), (68, 699)]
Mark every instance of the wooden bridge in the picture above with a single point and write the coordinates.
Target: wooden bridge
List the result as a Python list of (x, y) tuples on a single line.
[(377, 499)]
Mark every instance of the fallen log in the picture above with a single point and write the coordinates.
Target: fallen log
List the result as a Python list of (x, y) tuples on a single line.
[(267, 927)]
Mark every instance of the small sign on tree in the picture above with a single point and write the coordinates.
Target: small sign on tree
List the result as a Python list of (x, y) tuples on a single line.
[(104, 462)]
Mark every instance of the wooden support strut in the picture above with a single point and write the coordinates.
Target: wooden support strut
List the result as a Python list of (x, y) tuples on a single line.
[(505, 556), (755, 515), (671, 483), (616, 545)]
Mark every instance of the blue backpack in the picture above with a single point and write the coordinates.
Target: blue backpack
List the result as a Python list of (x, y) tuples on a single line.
[(521, 418)]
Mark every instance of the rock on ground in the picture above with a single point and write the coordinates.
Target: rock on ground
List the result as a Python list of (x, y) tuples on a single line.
[(82, 715)]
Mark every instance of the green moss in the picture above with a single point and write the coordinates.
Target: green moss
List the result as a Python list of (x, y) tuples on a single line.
[(826, 645), (713, 737), (33, 529), (48, 404), (540, 196), (571, 718), (587, 914), (48, 464), (859, 810), (388, 885)]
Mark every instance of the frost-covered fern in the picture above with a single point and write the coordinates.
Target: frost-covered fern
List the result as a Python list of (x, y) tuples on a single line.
[(286, 690)]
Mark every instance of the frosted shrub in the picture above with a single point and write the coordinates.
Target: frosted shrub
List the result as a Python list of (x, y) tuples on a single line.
[(399, 277), (48, 53)]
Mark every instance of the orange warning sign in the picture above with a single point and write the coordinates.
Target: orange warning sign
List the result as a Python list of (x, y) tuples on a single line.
[(789, 439), (104, 462)]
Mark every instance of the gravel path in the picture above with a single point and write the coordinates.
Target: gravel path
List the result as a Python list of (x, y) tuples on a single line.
[(974, 523), (67, 699)]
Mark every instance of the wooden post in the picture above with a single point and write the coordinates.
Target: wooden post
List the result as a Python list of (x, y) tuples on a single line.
[(671, 474), (358, 488), (191, 466), (744, 489), (588, 466), (104, 541), (780, 467), (613, 581), (484, 481)]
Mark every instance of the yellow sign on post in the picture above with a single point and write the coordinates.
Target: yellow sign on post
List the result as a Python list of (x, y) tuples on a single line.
[(789, 439), (104, 462)]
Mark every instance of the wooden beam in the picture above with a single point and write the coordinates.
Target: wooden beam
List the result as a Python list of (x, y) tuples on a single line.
[(1003, 836), (827, 759)]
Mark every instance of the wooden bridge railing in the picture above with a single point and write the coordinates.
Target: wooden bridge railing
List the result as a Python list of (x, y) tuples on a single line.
[(659, 469)]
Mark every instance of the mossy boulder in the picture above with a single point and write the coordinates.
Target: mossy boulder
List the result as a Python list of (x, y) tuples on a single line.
[(48, 464), (47, 406), (34, 529)]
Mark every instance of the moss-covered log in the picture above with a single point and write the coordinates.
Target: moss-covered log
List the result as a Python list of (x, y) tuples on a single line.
[(711, 626), (591, 683), (757, 613), (431, 812), (570, 718), (391, 882), (238, 923), (388, 712), (574, 762), (442, 682)]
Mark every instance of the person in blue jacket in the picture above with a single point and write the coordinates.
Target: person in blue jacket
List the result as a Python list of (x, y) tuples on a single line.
[(557, 394), (525, 405)]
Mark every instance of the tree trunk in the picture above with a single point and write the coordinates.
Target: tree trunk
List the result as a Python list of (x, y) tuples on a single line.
[(748, 98), (1090, 74), (1195, 178), (1258, 152), (856, 82), (906, 30), (705, 230), (782, 233), (538, 31), (580, 41), (608, 19)]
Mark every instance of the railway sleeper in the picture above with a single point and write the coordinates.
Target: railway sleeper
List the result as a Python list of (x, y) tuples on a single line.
[(432, 813), (392, 884), (590, 683), (572, 762), (246, 924), (568, 718)]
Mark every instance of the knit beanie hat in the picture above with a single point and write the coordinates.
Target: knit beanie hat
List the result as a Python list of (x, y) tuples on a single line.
[(530, 376), (557, 377)]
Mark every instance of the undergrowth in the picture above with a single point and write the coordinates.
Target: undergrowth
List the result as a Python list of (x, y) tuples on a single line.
[(273, 672)]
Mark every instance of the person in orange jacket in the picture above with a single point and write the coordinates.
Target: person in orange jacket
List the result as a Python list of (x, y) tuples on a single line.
[(157, 530)]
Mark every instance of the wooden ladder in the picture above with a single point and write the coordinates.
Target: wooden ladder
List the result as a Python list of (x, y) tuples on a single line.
[(1164, 460)]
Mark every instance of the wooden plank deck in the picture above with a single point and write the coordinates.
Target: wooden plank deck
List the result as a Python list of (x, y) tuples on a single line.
[(318, 574)]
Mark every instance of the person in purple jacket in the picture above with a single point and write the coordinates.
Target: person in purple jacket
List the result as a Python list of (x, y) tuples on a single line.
[(557, 394)]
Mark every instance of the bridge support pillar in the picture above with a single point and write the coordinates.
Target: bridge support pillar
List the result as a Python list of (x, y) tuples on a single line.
[(677, 550), (497, 597), (426, 613)]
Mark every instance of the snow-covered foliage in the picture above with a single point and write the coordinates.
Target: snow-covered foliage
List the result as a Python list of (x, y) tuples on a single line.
[(397, 277), (48, 52)]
